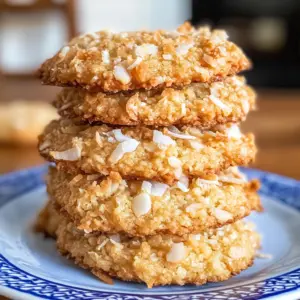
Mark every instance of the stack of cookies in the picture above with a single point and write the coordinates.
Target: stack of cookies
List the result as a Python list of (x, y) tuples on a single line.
[(146, 186)]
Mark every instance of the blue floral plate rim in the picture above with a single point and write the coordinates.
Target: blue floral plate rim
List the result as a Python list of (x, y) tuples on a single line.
[(29, 286)]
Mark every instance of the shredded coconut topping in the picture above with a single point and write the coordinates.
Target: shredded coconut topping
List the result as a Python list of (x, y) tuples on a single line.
[(234, 132), (183, 49), (135, 63), (158, 188), (177, 253), (196, 237), (196, 145), (193, 207), (160, 138), (183, 183), (146, 49), (231, 179), (264, 255), (141, 204), (115, 239), (209, 60), (154, 188), (121, 74), (173, 131), (201, 181), (64, 50), (99, 247), (237, 252), (217, 102), (174, 162), (124, 147), (44, 145), (167, 56), (71, 154), (222, 215), (146, 187), (105, 57), (119, 136)]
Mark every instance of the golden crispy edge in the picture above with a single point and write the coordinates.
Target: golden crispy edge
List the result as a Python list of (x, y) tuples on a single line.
[(146, 74), (250, 189), (123, 109)]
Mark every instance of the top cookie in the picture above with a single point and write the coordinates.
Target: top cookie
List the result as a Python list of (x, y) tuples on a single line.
[(110, 62)]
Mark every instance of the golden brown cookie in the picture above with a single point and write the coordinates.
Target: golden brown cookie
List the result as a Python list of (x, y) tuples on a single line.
[(199, 104), (22, 121), (163, 154), (112, 62), (161, 259), (138, 208)]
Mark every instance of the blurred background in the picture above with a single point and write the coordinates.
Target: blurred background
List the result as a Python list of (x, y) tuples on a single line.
[(268, 31)]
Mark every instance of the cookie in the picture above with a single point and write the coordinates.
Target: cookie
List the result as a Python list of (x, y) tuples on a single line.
[(114, 205), (204, 105), (213, 256), (113, 62), (163, 154), (22, 121)]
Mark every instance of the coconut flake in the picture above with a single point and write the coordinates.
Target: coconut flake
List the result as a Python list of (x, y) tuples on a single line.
[(141, 204), (222, 215), (174, 162), (160, 138), (64, 51), (177, 253), (44, 145), (183, 49), (158, 188), (217, 102), (209, 60), (193, 207), (178, 173), (196, 145), (124, 147), (234, 132), (99, 247), (231, 179), (263, 255), (237, 252), (146, 187), (245, 106), (146, 49), (201, 181), (115, 239), (120, 137), (160, 79), (121, 74), (167, 57), (173, 131), (196, 237), (183, 183), (71, 154), (105, 57), (135, 63)]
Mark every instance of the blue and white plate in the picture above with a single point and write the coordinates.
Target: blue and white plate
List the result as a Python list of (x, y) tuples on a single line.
[(31, 268)]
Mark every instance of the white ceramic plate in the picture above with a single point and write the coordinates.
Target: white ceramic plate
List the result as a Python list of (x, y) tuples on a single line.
[(31, 268)]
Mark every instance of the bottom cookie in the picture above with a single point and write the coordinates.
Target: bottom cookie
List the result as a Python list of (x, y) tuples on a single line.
[(213, 256)]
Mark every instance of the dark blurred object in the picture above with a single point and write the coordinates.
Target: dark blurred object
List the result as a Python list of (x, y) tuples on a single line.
[(267, 30)]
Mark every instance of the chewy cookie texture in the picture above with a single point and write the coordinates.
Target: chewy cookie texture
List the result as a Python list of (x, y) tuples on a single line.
[(145, 185), (137, 208), (214, 255), (162, 154), (110, 62), (204, 105)]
